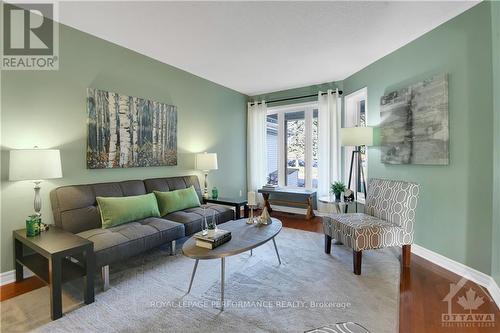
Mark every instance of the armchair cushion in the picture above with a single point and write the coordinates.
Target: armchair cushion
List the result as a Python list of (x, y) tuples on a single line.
[(363, 232)]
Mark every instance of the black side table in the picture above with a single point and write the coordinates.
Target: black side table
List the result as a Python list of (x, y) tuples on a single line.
[(49, 260), (237, 203)]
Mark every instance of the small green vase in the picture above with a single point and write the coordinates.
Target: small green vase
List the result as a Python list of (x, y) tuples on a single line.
[(32, 226), (215, 193)]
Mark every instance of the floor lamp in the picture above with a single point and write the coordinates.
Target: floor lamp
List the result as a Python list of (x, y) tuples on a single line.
[(356, 137)]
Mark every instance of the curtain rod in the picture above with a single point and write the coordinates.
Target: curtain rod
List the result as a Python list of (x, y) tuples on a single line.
[(292, 98)]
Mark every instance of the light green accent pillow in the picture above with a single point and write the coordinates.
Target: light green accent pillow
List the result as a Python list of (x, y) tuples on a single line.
[(119, 210), (174, 201)]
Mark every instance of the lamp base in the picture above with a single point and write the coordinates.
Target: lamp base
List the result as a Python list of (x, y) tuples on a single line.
[(37, 202), (205, 189)]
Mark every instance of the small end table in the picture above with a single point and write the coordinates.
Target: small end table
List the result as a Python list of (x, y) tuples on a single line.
[(237, 203), (49, 258), (338, 205)]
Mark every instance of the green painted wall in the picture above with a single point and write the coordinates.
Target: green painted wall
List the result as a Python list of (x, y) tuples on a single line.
[(48, 109), (454, 216), (495, 28), (455, 211)]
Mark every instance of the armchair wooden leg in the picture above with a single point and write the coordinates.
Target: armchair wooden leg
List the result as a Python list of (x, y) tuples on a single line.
[(328, 244), (406, 255), (356, 259)]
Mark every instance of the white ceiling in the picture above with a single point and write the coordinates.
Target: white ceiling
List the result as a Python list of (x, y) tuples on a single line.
[(258, 47)]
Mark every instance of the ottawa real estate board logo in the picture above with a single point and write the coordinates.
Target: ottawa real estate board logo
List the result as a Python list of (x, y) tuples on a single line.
[(30, 38), (465, 307)]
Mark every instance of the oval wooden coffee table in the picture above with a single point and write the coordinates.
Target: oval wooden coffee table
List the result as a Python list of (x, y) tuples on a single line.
[(244, 237)]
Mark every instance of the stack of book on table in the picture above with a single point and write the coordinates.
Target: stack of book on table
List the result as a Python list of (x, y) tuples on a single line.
[(269, 187), (213, 239)]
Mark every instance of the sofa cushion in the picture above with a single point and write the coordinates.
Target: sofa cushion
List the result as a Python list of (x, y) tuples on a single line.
[(120, 242), (119, 210), (75, 207), (173, 201), (172, 183), (192, 217)]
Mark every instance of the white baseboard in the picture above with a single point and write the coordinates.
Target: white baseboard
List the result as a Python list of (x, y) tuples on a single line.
[(467, 272), (10, 276)]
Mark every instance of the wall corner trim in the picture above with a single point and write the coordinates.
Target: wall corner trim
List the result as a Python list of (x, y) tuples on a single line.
[(465, 271)]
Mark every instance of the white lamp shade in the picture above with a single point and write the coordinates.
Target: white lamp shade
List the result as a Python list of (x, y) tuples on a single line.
[(356, 136), (34, 164), (206, 161)]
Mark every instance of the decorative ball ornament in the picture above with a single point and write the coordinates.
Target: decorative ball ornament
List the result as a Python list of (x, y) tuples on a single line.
[(349, 195)]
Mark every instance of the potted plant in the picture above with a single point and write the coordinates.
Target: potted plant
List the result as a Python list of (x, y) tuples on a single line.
[(337, 188)]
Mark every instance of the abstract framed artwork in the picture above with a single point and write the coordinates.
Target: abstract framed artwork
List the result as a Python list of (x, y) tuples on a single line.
[(125, 131), (414, 123)]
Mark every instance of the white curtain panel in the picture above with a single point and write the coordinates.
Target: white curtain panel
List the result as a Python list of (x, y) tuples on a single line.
[(256, 146), (328, 142)]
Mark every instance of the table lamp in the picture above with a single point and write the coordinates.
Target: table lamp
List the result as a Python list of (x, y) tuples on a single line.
[(35, 165), (356, 137), (206, 162)]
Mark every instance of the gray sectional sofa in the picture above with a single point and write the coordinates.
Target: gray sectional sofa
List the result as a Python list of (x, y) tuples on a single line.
[(75, 210)]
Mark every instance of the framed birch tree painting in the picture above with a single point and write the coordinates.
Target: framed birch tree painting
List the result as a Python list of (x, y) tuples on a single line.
[(126, 132)]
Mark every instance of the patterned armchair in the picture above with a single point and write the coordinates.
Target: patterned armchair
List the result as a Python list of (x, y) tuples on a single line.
[(388, 221)]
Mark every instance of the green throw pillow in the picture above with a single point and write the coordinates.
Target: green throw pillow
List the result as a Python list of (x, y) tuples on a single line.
[(119, 210), (174, 201)]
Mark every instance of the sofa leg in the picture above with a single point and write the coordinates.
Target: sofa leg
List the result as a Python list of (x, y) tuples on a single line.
[(328, 244), (172, 248), (105, 277), (406, 255), (356, 259)]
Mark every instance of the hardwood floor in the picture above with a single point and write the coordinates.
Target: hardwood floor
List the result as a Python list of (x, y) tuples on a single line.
[(18, 288), (423, 287)]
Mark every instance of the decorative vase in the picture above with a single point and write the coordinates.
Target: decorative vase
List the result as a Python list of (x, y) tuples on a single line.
[(215, 193), (204, 223), (337, 196), (265, 218)]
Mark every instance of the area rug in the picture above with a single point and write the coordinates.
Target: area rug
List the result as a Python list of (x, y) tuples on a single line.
[(148, 293)]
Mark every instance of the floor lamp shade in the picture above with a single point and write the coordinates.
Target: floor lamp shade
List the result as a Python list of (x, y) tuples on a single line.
[(35, 164), (356, 136), (206, 161)]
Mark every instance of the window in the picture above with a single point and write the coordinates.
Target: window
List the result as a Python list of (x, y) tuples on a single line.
[(315, 149), (272, 149), (295, 151), (292, 145), (355, 115)]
